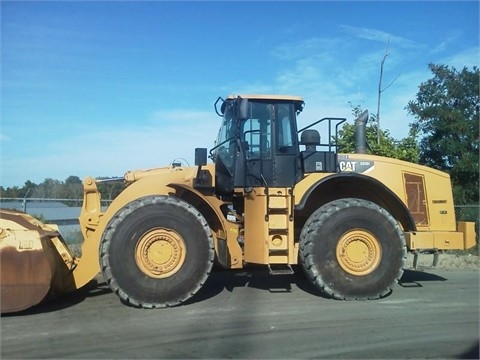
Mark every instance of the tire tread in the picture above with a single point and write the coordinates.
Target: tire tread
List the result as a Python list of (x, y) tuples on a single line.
[(317, 219), (109, 234)]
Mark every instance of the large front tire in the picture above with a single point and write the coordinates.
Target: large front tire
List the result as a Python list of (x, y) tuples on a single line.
[(156, 252), (352, 249)]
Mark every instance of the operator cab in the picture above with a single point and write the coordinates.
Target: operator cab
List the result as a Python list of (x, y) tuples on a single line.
[(258, 145)]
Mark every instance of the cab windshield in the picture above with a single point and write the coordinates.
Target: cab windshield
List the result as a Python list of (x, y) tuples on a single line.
[(225, 144)]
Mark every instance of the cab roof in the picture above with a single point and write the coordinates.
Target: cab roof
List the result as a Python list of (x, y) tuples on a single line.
[(266, 97)]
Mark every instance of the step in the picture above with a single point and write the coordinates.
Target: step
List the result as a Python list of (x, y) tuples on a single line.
[(280, 269)]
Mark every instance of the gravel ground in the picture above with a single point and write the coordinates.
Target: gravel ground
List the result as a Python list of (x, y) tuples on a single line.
[(446, 261)]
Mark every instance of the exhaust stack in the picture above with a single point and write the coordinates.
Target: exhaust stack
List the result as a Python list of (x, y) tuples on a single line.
[(360, 133)]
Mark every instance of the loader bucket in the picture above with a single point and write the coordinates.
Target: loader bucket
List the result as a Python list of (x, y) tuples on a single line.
[(35, 262)]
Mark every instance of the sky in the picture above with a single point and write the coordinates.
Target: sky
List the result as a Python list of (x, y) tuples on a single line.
[(97, 88)]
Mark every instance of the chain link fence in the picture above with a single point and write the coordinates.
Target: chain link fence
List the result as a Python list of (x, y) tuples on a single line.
[(65, 213), (62, 212), (467, 213), (470, 213)]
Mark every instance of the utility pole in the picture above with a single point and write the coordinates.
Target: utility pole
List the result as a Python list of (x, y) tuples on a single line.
[(380, 90)]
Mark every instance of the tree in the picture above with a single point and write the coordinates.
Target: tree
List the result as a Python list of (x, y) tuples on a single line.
[(16, 192), (73, 188), (49, 188), (73, 180), (447, 120), (110, 189), (404, 149), (11, 192), (27, 189)]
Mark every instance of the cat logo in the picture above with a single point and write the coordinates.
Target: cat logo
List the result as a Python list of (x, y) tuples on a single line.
[(347, 165), (360, 166)]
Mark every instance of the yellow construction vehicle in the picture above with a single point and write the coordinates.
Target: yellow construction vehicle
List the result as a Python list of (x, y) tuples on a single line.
[(273, 195)]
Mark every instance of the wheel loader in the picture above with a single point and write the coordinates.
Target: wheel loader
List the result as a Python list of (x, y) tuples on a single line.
[(273, 195)]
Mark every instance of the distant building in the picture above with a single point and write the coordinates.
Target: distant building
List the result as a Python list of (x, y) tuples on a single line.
[(54, 212)]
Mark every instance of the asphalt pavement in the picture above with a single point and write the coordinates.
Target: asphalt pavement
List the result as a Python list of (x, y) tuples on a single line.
[(240, 314)]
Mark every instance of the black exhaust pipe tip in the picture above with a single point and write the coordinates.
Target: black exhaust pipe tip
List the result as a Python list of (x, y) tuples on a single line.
[(360, 133)]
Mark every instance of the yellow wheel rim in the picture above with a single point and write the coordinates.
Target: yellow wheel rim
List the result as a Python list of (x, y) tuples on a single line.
[(160, 253), (358, 252)]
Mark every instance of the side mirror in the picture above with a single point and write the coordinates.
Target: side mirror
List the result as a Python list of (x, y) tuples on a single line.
[(243, 109), (200, 156)]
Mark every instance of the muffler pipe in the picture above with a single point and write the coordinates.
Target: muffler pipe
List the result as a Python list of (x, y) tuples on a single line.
[(360, 133)]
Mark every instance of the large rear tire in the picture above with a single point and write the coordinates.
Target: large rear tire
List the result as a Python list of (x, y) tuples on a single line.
[(352, 249), (156, 252)]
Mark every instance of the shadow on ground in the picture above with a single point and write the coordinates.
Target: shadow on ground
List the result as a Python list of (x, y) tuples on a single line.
[(472, 353), (258, 277), (95, 287), (413, 278), (219, 280)]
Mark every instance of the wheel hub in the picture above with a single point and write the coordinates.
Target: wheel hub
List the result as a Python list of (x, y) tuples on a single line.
[(160, 253), (358, 252)]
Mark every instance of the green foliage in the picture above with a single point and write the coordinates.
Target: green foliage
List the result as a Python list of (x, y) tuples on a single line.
[(10, 192), (110, 189), (404, 149), (447, 120), (71, 188), (17, 192), (49, 188)]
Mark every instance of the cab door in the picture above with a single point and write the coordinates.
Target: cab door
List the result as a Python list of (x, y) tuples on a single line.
[(269, 147), (256, 143)]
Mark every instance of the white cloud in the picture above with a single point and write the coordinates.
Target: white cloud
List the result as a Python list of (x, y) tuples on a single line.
[(328, 72), (469, 57), (318, 48), (329, 77), (379, 36), (445, 43), (113, 151)]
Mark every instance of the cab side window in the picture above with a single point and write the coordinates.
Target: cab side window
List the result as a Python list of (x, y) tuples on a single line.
[(257, 131), (284, 119)]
